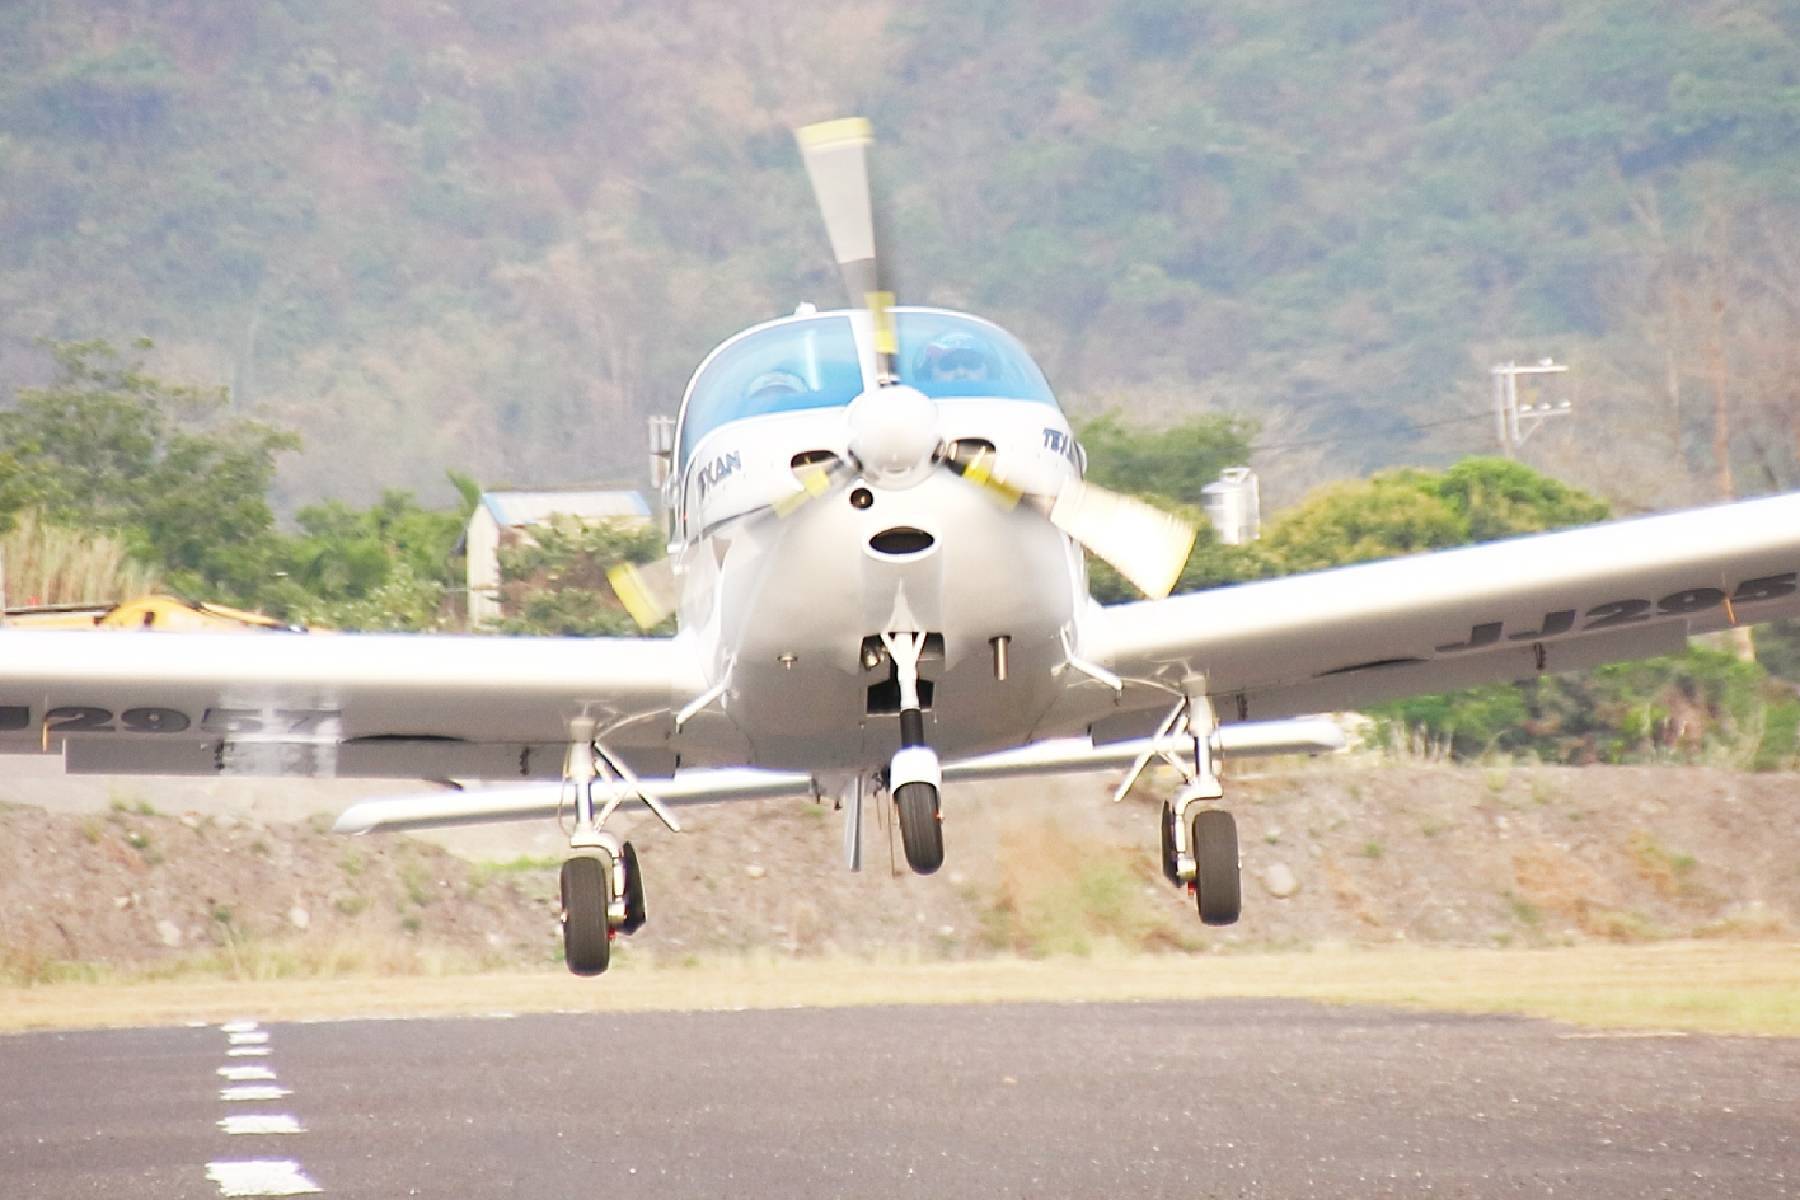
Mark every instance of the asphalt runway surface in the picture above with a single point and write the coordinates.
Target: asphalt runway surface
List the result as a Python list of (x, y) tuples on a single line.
[(1216, 1098)]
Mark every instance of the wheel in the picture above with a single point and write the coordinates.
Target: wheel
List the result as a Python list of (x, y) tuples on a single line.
[(586, 887), (634, 892), (1169, 868), (1216, 883), (921, 826)]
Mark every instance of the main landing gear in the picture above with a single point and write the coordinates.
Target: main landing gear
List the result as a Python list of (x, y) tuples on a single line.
[(602, 888), (1200, 851), (914, 776)]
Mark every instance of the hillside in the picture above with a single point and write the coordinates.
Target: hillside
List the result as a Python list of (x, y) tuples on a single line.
[(1509, 857), (495, 237)]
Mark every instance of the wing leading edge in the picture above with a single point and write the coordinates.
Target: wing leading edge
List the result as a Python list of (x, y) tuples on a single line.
[(1500, 611), (336, 704), (476, 806)]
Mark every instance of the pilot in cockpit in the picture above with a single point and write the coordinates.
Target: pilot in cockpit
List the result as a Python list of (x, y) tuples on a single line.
[(768, 391), (955, 358)]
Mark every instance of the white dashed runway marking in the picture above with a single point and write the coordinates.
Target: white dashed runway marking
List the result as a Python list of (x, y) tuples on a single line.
[(260, 1179), (245, 1074), (255, 1082), (258, 1123)]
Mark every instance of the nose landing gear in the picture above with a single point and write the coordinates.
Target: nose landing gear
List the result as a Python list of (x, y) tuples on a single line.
[(921, 826)]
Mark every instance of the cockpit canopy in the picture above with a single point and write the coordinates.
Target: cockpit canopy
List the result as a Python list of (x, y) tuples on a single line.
[(813, 362)]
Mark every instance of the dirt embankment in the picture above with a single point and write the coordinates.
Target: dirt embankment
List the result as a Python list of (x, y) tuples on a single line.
[(1480, 857)]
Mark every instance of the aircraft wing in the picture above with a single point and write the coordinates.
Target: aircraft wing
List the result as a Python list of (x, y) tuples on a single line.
[(1501, 611), (711, 785), (402, 705)]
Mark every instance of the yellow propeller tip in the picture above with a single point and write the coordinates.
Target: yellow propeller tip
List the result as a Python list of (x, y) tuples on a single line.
[(634, 593), (843, 131)]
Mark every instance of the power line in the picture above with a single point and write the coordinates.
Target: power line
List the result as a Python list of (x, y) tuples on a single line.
[(1419, 427)]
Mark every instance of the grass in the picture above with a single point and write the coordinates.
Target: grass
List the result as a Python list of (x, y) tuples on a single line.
[(482, 873), (1058, 895), (1524, 911), (1745, 988), (1662, 868), (415, 876), (51, 564)]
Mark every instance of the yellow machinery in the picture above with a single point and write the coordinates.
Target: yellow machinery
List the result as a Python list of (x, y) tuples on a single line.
[(153, 611)]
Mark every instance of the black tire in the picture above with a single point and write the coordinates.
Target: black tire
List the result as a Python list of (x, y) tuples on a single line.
[(921, 826), (1217, 888), (635, 916), (586, 887), (1169, 867)]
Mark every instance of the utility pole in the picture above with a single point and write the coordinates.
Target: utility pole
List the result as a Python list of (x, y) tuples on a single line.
[(1514, 421)]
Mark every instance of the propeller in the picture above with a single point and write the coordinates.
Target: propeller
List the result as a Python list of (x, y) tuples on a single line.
[(893, 429)]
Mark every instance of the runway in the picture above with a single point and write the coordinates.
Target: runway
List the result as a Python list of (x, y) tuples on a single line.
[(1224, 1098)]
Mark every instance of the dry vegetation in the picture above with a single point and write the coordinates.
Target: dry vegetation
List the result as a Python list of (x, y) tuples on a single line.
[(42, 563), (1713, 987)]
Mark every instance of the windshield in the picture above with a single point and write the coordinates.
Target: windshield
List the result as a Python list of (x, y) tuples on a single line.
[(784, 368), (797, 365), (946, 355)]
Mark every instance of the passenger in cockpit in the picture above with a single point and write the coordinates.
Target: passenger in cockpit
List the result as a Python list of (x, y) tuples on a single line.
[(955, 358)]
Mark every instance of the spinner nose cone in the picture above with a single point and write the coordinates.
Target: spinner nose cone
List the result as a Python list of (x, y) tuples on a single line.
[(893, 435)]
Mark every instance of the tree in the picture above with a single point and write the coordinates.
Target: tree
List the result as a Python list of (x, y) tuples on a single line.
[(1410, 510), (555, 580), (1395, 513), (1174, 464), (389, 566), (107, 447)]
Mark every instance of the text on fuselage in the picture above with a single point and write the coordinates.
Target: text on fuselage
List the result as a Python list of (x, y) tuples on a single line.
[(718, 470)]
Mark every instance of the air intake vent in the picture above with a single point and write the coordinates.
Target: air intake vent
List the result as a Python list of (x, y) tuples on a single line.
[(901, 540)]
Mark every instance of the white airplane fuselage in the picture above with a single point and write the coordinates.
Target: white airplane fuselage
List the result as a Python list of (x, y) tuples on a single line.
[(787, 607)]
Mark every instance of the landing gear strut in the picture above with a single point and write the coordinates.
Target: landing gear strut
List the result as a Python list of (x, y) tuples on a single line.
[(1200, 851), (914, 776), (602, 888)]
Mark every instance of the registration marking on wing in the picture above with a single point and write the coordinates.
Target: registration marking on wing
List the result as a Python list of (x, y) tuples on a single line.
[(156, 718), (1613, 614)]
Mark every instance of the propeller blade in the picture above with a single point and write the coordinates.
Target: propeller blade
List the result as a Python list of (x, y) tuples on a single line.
[(647, 590), (979, 470), (1145, 544), (650, 592), (816, 479), (836, 158)]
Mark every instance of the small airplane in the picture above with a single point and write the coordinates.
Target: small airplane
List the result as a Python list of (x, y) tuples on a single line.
[(876, 522)]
